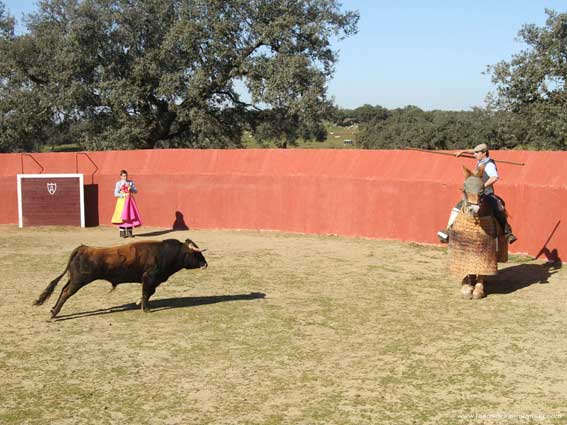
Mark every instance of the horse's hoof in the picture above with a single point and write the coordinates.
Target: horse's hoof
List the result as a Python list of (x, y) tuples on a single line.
[(478, 292), (467, 292)]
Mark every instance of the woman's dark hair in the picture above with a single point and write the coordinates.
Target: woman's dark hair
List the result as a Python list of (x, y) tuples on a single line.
[(123, 172)]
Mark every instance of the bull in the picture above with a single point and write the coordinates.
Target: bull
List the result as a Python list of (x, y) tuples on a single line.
[(149, 263)]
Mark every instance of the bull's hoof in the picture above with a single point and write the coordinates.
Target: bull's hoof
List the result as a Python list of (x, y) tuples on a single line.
[(467, 292), (478, 292)]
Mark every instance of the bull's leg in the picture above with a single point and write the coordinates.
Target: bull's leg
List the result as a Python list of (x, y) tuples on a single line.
[(145, 301), (468, 287), (478, 292), (69, 289), (148, 289), (60, 300)]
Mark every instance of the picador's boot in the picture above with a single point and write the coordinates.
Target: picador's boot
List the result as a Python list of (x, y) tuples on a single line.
[(510, 237), (122, 232), (129, 234), (443, 235)]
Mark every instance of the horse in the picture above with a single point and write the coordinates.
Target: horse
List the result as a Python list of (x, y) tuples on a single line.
[(476, 240)]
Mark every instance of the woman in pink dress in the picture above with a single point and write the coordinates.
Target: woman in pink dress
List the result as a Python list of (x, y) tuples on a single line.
[(126, 214)]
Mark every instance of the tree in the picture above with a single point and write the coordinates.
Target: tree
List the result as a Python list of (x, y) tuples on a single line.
[(282, 129), (363, 114), (532, 87), (413, 127), (154, 73), (6, 23)]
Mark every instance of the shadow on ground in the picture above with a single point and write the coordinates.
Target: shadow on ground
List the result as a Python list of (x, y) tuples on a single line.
[(155, 233), (166, 304), (521, 276), (178, 225)]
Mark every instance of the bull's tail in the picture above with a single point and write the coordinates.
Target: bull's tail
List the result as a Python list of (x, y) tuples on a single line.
[(51, 287)]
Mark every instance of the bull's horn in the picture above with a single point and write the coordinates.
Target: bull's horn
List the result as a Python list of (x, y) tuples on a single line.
[(194, 248)]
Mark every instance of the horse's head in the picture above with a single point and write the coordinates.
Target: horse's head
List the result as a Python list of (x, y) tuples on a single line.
[(473, 189)]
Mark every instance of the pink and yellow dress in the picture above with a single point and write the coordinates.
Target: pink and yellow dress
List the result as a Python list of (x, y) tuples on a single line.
[(126, 213)]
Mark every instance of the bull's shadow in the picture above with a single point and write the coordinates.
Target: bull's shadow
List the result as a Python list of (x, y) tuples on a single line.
[(165, 304), (513, 278)]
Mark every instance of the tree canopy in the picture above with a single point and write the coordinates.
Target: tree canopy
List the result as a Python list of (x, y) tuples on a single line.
[(412, 127), (527, 111), (119, 74), (136, 74), (532, 87)]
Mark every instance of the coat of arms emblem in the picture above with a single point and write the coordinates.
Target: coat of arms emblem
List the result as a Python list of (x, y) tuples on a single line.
[(51, 188)]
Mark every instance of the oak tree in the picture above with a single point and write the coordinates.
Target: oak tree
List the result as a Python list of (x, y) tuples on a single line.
[(115, 74)]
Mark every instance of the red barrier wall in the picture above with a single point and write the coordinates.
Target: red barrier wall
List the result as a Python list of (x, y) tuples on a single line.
[(404, 195)]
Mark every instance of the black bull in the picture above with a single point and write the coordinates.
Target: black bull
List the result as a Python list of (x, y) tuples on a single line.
[(149, 263)]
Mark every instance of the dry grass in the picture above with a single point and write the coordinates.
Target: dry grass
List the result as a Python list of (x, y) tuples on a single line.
[(280, 329), (335, 140)]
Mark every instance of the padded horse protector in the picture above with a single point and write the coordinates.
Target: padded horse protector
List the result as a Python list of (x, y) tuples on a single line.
[(476, 245)]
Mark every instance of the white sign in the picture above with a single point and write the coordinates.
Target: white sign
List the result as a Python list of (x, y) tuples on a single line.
[(51, 188)]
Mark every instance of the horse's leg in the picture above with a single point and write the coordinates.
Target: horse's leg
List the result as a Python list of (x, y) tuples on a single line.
[(478, 292), (468, 286)]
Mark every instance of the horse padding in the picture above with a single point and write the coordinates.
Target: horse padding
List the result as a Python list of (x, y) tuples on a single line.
[(474, 247)]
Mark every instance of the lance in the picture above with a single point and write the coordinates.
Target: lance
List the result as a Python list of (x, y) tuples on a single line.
[(545, 250), (465, 155)]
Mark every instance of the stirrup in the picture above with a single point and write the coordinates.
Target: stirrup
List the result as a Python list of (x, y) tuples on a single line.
[(443, 236), (511, 238)]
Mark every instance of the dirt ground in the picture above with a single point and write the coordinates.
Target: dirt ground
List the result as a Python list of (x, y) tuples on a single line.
[(280, 329)]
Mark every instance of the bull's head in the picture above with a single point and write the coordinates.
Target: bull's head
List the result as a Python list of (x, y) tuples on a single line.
[(194, 256)]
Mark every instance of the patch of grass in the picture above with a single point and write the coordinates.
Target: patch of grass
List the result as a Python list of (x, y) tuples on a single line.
[(68, 147), (336, 137), (519, 258)]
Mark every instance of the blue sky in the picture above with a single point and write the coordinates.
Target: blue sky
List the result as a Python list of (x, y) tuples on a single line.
[(428, 53)]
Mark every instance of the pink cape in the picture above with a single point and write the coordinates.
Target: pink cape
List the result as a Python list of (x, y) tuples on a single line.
[(130, 214)]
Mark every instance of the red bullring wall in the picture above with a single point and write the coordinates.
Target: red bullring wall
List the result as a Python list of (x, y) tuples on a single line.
[(403, 195)]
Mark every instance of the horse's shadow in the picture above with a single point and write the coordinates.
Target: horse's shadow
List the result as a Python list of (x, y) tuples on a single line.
[(165, 304), (513, 278)]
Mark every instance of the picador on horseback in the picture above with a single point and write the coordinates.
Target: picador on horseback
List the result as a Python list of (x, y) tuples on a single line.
[(489, 177)]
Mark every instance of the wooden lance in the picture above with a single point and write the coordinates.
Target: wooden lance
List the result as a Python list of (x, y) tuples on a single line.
[(465, 155)]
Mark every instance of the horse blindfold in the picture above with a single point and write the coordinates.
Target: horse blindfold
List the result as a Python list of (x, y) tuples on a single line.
[(474, 185)]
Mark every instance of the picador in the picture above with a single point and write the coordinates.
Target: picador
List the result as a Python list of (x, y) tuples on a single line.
[(489, 177)]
